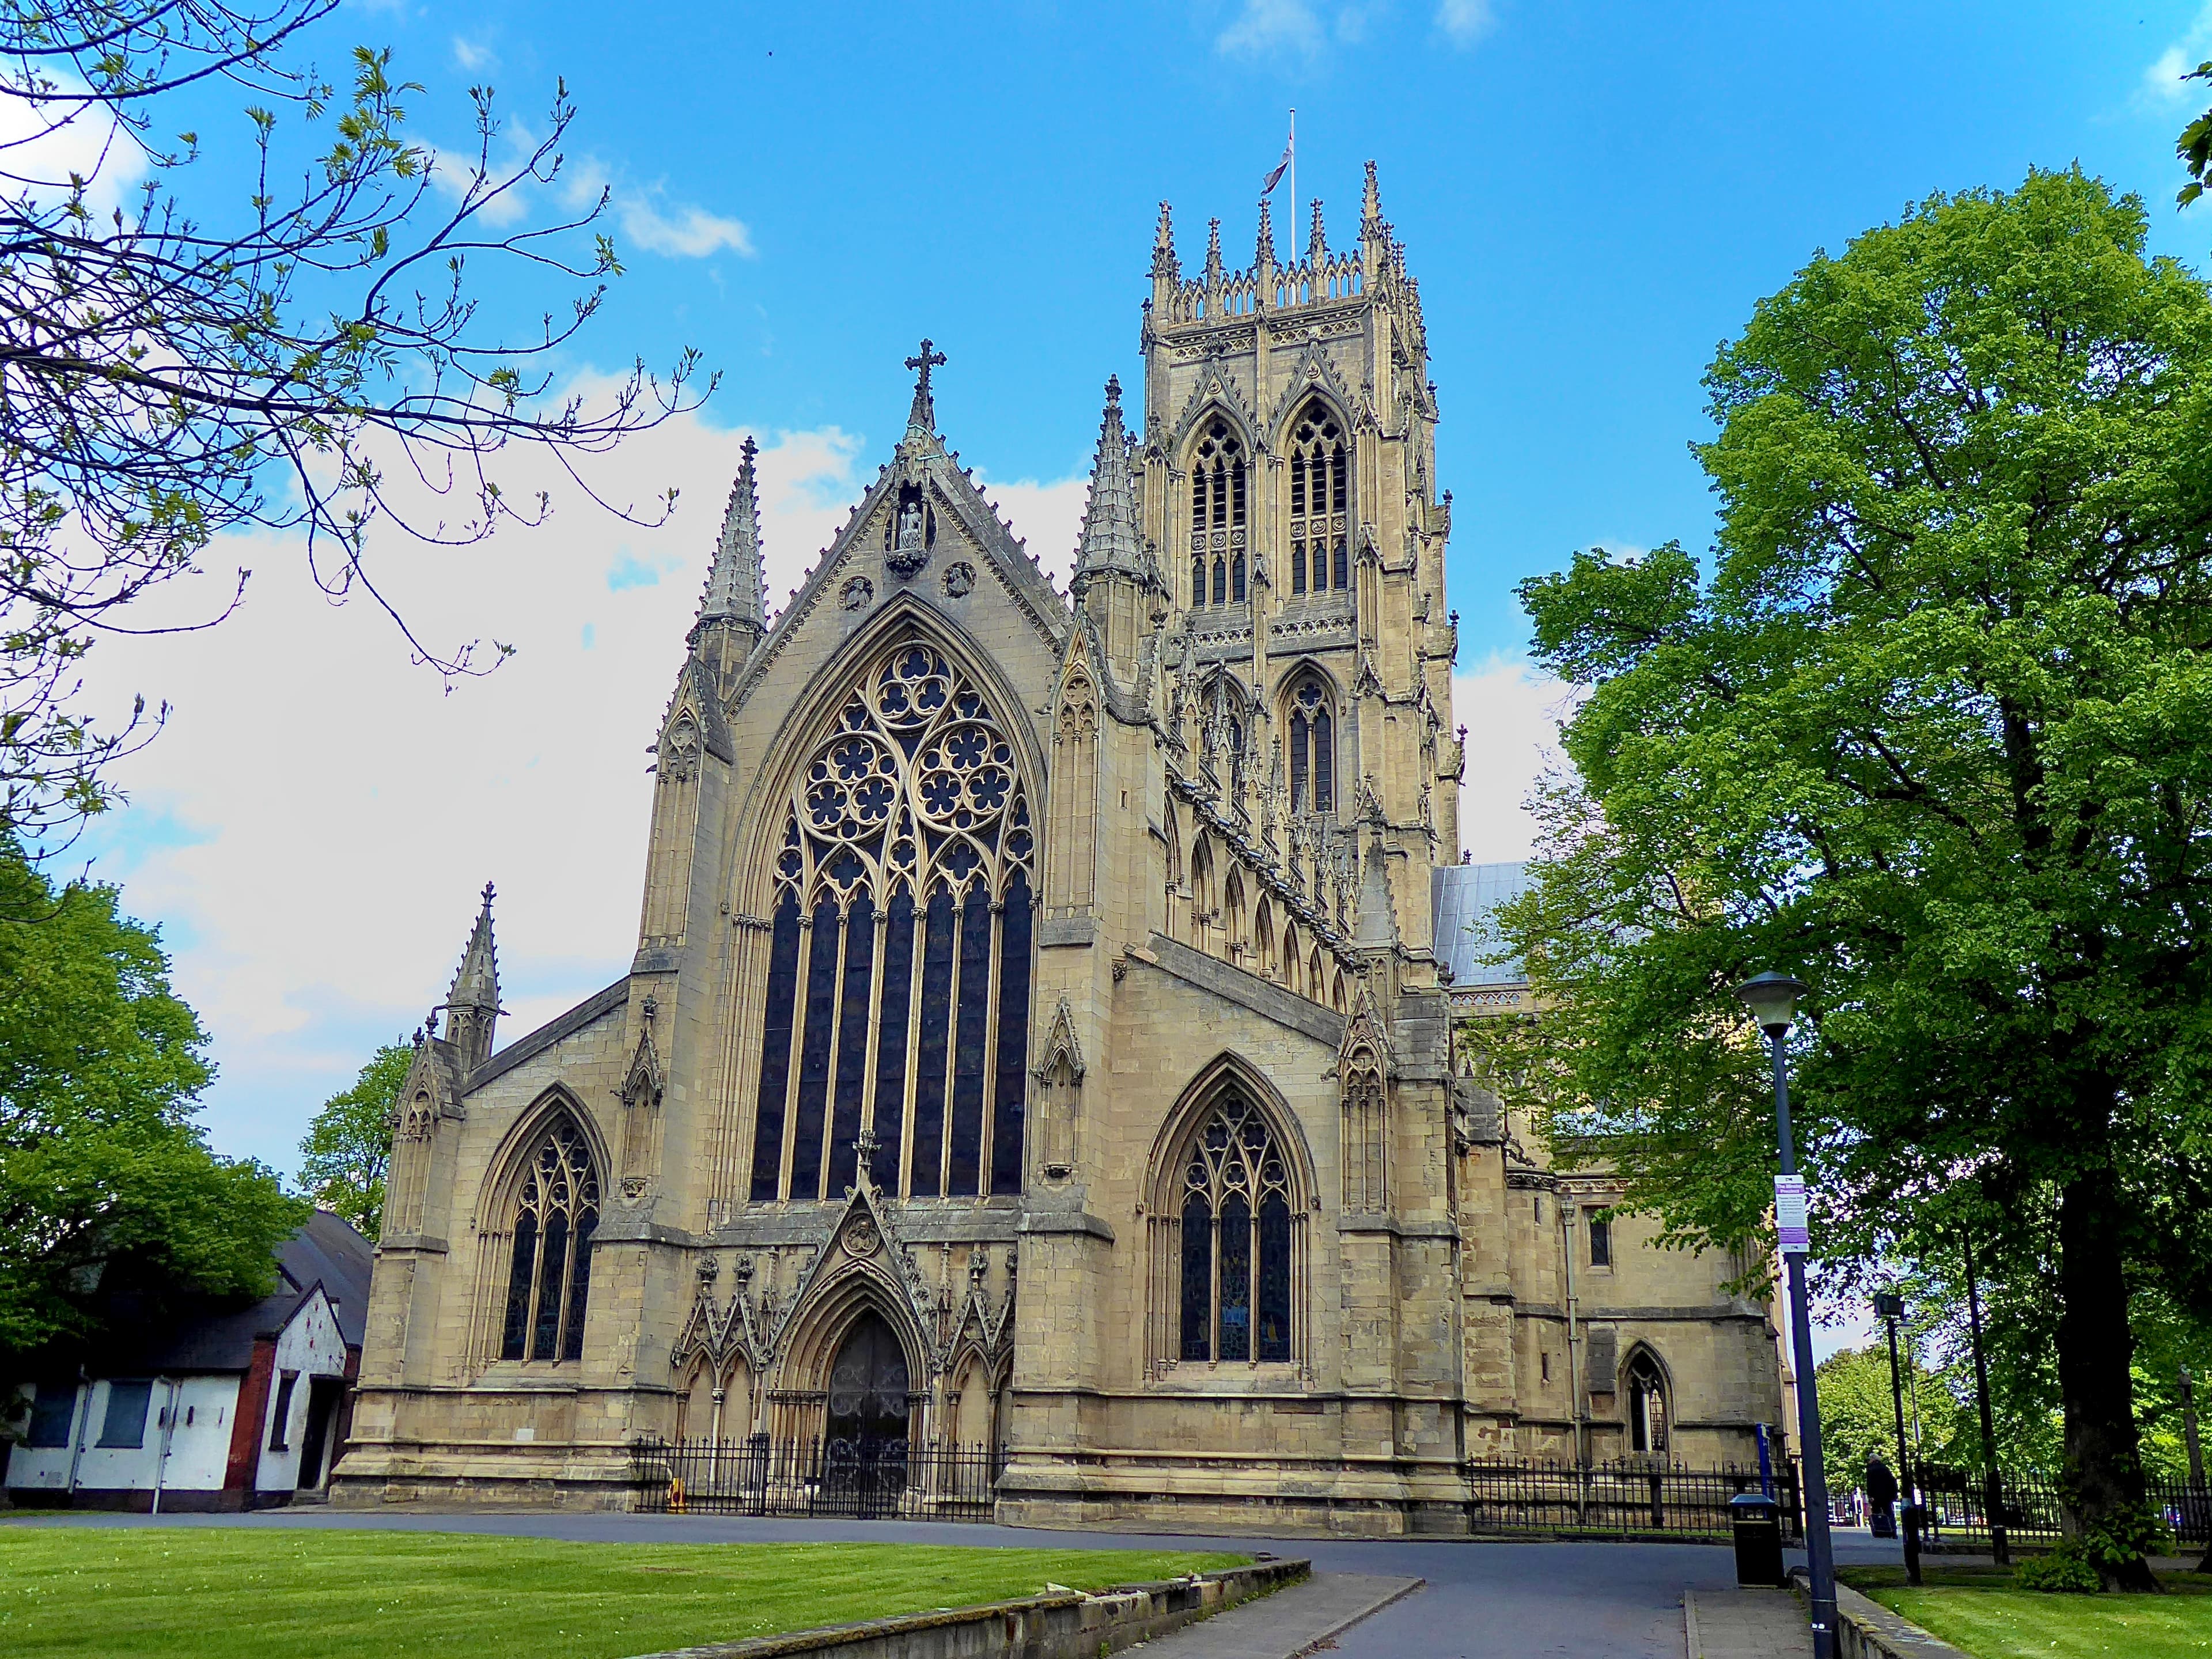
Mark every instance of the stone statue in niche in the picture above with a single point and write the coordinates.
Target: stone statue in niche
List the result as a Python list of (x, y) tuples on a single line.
[(912, 532)]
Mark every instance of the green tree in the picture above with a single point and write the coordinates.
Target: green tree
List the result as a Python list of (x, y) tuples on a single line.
[(2194, 147), (1935, 734), (348, 1143), (103, 1173)]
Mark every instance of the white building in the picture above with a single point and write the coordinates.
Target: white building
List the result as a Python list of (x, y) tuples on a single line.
[(207, 1404)]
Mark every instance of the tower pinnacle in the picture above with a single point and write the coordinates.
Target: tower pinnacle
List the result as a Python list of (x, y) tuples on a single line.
[(472, 999), (736, 585), (1110, 542), (1316, 244), (1165, 263), (1263, 252)]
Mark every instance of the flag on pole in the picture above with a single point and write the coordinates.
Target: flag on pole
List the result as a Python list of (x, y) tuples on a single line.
[(1276, 177)]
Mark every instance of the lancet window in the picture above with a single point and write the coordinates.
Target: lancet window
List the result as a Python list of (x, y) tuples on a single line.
[(1235, 1241), (897, 993), (1321, 509), (1313, 748), (1217, 491), (1647, 1403), (550, 1273)]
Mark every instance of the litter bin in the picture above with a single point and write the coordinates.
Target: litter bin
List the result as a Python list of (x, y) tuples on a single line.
[(1757, 1523)]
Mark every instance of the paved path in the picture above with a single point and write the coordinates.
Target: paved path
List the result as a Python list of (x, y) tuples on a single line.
[(1289, 1623), (1484, 1600), (1746, 1624)]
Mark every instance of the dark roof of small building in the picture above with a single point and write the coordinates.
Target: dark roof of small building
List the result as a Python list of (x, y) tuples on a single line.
[(1462, 900), (212, 1333)]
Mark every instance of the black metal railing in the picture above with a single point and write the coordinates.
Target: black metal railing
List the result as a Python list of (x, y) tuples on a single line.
[(1633, 1496), (868, 1479), (2028, 1503)]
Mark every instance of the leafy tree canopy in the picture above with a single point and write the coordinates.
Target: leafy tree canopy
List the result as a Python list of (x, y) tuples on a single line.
[(1935, 733), (102, 1169), (348, 1143)]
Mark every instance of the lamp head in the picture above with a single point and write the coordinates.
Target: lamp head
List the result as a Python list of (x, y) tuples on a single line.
[(1888, 1305), (1772, 1000)]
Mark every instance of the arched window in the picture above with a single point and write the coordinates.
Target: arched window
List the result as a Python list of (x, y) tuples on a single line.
[(1647, 1403), (1320, 503), (549, 1274), (903, 907), (1236, 1240), (1218, 481), (1313, 747)]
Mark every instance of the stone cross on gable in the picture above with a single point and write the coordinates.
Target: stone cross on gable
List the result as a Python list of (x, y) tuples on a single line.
[(925, 362), (923, 417)]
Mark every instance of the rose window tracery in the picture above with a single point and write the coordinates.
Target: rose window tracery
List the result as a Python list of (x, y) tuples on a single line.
[(903, 906)]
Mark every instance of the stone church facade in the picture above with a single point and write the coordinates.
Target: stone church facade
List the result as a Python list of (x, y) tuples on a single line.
[(1040, 1030)]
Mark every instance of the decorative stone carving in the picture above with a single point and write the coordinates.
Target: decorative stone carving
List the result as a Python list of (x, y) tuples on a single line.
[(959, 580), (859, 593)]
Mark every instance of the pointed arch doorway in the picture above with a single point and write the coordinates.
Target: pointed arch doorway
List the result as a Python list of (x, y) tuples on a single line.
[(869, 1409)]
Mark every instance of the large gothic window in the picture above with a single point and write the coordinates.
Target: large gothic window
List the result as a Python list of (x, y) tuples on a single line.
[(1320, 510), (1217, 475), (1236, 1240), (1647, 1403), (1313, 748), (898, 975), (549, 1274)]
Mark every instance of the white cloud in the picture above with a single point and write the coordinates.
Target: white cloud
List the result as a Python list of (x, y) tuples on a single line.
[(2163, 86), (683, 231), (1047, 516), (473, 54), (1274, 26), (1512, 715), (1466, 22), (42, 146)]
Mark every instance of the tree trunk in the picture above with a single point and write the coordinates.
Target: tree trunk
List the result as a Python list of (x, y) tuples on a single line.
[(2102, 1477)]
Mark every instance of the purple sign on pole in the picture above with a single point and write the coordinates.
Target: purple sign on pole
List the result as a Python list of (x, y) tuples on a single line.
[(1790, 1214)]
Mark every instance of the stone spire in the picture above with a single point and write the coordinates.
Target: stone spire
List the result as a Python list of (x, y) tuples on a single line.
[(736, 585), (1370, 207), (1110, 542), (1263, 250), (1165, 263), (1213, 253), (472, 999), (1316, 244)]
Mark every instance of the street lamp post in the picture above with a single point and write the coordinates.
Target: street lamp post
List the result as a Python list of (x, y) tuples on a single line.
[(1890, 1306), (1772, 1000)]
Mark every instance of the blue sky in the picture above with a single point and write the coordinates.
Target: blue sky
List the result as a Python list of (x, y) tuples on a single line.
[(1593, 196)]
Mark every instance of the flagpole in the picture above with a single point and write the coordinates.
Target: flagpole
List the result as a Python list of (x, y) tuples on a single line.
[(1292, 222)]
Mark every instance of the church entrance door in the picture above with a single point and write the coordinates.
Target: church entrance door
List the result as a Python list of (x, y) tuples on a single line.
[(865, 1449)]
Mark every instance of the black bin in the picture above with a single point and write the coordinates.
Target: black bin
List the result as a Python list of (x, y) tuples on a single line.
[(1757, 1523)]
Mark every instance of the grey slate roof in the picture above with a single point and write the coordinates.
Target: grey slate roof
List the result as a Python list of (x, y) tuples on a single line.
[(200, 1333), (1461, 898)]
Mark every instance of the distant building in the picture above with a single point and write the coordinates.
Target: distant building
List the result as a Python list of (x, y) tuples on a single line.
[(209, 1404), (1041, 1032)]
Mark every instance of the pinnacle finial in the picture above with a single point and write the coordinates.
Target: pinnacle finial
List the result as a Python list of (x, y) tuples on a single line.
[(1214, 246), (1165, 263), (736, 585), (1263, 253), (921, 419), (1109, 540), (1371, 204), (476, 981), (1316, 244)]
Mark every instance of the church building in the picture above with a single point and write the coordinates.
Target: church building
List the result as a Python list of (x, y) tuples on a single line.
[(1041, 1036)]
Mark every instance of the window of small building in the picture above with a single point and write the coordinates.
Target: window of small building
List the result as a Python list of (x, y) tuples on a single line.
[(280, 1423), (123, 1424), (52, 1414)]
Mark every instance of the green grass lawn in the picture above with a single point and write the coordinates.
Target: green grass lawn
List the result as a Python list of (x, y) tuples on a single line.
[(248, 1593), (1976, 1609)]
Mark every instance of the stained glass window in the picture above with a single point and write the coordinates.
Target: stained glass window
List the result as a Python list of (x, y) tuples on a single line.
[(1235, 1300), (914, 791), (548, 1270)]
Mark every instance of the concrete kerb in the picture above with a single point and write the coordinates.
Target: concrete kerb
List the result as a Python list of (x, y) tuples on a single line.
[(1867, 1630), (1057, 1624)]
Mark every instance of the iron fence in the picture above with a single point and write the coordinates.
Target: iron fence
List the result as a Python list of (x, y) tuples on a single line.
[(1623, 1497), (868, 1479), (2028, 1503)]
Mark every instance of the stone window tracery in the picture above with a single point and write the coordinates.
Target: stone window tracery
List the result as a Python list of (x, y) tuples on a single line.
[(1647, 1403), (898, 978), (549, 1272), (1320, 511), (1235, 1243), (1313, 747), (1218, 482)]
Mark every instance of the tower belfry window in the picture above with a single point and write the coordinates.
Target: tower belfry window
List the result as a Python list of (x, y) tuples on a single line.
[(1313, 748), (1321, 509), (1219, 486)]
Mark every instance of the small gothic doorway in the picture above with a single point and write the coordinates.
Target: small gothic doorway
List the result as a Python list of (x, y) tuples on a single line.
[(870, 1405)]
